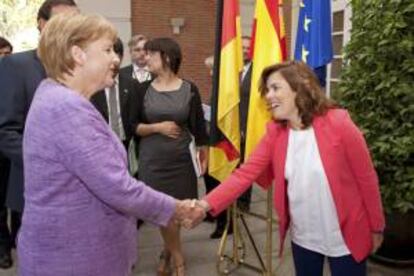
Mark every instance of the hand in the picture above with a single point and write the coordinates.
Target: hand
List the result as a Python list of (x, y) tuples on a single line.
[(205, 207), (377, 239), (188, 213), (169, 129)]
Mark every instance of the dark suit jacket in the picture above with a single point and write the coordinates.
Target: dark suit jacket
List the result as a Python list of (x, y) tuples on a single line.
[(125, 86), (244, 108), (20, 74)]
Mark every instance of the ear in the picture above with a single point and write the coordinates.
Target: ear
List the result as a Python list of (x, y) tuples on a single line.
[(41, 24), (79, 56)]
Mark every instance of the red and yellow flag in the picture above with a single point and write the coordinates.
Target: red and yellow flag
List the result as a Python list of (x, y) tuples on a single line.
[(268, 47), (225, 132)]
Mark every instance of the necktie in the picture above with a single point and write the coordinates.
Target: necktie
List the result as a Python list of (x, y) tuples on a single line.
[(114, 111)]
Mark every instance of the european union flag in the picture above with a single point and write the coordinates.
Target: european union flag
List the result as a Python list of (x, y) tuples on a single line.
[(314, 40)]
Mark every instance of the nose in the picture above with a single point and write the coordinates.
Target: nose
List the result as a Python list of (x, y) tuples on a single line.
[(116, 59), (269, 94)]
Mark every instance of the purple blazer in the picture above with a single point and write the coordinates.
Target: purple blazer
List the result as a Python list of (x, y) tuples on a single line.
[(81, 204)]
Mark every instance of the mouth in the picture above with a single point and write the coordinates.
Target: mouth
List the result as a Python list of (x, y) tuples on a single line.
[(273, 106), (114, 71)]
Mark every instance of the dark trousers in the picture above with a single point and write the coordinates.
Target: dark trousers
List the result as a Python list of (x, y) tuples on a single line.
[(244, 200), (7, 236), (310, 263), (212, 183)]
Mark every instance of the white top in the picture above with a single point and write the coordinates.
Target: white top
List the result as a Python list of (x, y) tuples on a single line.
[(118, 102), (314, 221)]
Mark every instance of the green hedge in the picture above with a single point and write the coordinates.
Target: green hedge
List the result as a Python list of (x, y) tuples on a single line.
[(377, 87)]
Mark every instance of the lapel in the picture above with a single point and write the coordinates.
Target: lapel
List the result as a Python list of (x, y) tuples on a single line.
[(328, 141), (123, 90), (280, 192)]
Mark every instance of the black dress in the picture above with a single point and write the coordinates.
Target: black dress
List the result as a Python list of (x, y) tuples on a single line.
[(165, 163)]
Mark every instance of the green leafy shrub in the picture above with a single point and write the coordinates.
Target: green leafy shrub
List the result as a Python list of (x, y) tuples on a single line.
[(377, 87)]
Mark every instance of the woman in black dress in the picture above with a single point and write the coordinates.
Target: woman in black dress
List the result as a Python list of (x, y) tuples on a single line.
[(166, 115)]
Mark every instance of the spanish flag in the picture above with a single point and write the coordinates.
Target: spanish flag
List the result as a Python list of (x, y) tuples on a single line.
[(268, 48), (224, 153)]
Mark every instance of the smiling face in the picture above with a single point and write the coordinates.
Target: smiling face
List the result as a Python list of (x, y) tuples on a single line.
[(100, 62), (281, 99)]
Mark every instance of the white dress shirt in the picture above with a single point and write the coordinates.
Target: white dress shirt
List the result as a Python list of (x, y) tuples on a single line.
[(121, 126), (141, 74)]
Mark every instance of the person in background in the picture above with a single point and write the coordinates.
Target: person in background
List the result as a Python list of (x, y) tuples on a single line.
[(112, 103), (212, 183), (243, 203), (138, 70), (6, 241), (81, 202), (5, 47), (325, 185), (166, 114), (20, 74)]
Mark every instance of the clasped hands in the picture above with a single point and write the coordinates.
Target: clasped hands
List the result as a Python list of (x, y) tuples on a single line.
[(190, 212)]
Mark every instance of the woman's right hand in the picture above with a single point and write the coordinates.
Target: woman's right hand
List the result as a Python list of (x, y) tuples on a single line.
[(169, 129)]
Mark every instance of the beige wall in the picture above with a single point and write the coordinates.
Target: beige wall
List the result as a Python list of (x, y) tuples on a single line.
[(247, 15), (118, 12)]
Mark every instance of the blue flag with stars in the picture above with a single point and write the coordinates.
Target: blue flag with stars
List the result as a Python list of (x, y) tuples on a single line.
[(314, 36)]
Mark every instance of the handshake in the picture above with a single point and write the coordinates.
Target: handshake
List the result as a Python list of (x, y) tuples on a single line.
[(190, 212)]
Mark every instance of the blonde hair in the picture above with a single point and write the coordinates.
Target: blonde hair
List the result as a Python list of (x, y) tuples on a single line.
[(66, 30), (135, 39)]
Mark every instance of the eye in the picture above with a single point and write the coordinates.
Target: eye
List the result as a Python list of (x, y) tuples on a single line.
[(273, 87)]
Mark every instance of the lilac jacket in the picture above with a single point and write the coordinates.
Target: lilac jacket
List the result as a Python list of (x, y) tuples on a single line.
[(81, 204)]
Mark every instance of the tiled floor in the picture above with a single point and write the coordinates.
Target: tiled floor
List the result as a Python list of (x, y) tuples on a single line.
[(201, 252)]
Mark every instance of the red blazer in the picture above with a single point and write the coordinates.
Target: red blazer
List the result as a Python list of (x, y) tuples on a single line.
[(348, 167)]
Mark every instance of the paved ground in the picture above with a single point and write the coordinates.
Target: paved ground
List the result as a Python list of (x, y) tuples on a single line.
[(201, 252)]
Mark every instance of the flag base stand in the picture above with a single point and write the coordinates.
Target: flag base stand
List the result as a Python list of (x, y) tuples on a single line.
[(236, 259)]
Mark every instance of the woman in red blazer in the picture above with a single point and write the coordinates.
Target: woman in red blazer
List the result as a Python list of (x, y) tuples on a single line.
[(325, 185)]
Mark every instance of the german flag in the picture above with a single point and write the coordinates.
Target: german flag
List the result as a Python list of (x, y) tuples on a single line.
[(268, 48), (224, 153)]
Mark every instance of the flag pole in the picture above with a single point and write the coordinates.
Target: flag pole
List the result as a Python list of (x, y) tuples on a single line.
[(216, 69), (236, 258)]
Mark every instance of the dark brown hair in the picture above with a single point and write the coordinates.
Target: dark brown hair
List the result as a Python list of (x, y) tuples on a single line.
[(169, 50), (47, 6), (5, 43), (310, 100)]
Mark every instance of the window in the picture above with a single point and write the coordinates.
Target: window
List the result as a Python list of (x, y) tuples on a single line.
[(341, 25)]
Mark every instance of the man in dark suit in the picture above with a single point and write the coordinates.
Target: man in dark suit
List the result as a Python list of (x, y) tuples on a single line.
[(138, 69), (245, 84), (5, 257), (5, 47), (20, 74), (114, 107)]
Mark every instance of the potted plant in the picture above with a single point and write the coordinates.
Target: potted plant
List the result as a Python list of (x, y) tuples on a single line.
[(377, 87)]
